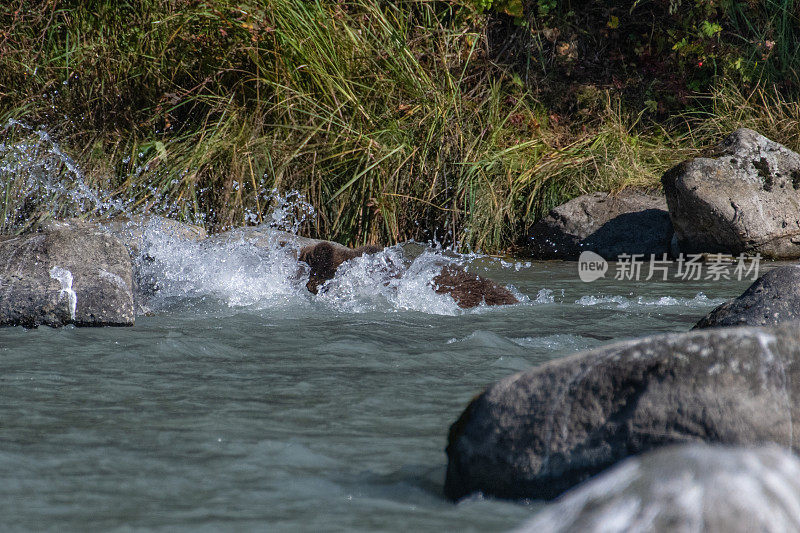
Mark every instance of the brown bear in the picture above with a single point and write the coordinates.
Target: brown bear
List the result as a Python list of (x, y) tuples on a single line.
[(324, 259), (468, 290)]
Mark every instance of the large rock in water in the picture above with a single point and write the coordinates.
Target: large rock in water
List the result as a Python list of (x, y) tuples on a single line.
[(630, 222), (772, 299), (537, 433), (689, 488), (743, 199), (69, 273)]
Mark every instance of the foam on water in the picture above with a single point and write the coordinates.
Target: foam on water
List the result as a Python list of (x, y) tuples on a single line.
[(382, 282), (241, 271), (623, 302), (545, 296)]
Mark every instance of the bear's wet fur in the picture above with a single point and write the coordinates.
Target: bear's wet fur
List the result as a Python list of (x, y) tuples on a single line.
[(468, 290), (324, 259)]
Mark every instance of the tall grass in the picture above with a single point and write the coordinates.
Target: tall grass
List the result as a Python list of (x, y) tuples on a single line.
[(389, 116), (772, 27), (760, 108)]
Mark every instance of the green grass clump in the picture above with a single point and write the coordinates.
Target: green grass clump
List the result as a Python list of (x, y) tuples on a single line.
[(390, 117)]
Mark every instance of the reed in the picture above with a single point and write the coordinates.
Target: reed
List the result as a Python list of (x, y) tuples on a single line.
[(390, 117)]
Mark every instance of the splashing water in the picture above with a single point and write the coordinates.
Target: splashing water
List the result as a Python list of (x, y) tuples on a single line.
[(36, 177), (622, 302), (235, 271), (64, 277), (259, 268), (380, 281), (289, 211)]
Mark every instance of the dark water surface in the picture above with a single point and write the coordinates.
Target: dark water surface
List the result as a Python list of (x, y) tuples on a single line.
[(288, 412)]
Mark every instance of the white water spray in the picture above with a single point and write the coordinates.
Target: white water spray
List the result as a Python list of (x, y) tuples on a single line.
[(240, 268), (36, 175), (64, 277)]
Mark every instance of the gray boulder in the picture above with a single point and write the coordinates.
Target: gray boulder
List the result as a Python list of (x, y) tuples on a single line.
[(68, 273), (744, 198), (688, 488), (772, 299), (537, 433), (133, 231), (264, 236), (630, 222)]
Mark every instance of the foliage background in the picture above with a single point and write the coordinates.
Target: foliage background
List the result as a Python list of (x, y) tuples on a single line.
[(460, 120)]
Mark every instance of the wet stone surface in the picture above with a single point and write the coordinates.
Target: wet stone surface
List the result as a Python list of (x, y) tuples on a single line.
[(67, 273)]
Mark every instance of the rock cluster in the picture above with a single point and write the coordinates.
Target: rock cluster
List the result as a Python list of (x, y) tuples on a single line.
[(630, 222), (743, 197), (640, 415)]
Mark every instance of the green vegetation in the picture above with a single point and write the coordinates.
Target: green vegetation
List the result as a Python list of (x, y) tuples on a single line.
[(397, 120)]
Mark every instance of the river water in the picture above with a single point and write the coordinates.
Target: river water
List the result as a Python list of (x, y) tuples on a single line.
[(241, 402)]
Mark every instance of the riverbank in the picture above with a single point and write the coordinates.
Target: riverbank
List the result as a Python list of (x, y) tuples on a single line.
[(396, 121)]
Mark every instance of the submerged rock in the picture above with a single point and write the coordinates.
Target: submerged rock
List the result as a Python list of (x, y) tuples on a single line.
[(745, 198), (688, 488), (537, 433), (772, 299), (630, 222), (68, 273)]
